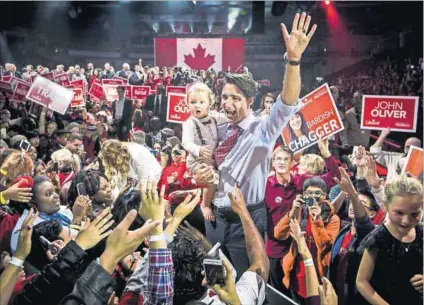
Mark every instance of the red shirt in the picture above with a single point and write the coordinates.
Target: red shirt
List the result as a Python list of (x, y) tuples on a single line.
[(278, 201), (180, 169)]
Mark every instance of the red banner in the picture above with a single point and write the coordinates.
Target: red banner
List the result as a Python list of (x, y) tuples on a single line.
[(7, 78), (318, 117), (414, 162), (62, 79), (96, 92), (78, 84), (175, 89), (21, 91), (78, 99), (50, 94), (112, 95), (112, 82), (399, 113), (177, 111)]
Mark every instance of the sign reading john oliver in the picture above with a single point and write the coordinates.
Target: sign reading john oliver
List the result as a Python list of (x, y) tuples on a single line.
[(318, 117)]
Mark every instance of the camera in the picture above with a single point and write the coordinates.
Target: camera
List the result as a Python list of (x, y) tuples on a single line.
[(309, 201)]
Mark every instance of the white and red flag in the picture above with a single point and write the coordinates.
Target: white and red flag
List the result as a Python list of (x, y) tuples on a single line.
[(200, 53)]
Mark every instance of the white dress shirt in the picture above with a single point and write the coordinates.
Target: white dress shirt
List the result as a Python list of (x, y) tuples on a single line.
[(119, 110)]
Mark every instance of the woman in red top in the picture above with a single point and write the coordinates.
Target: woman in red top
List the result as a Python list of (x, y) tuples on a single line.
[(96, 76), (138, 123)]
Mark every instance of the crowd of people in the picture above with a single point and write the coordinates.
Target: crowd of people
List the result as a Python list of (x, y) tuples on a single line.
[(112, 204)]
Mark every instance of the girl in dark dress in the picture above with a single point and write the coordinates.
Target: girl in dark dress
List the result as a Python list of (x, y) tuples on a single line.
[(391, 270)]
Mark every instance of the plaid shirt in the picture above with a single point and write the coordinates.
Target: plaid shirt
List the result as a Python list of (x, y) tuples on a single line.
[(159, 289)]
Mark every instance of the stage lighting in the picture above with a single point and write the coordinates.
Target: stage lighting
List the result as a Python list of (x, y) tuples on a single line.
[(327, 2)]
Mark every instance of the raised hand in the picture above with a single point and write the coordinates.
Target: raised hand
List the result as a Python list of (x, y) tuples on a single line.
[(326, 293), (187, 206), (123, 242), (24, 241), (80, 208), (18, 194), (323, 147), (228, 293), (297, 41), (372, 177), (237, 201), (299, 236), (153, 206), (93, 232), (345, 183)]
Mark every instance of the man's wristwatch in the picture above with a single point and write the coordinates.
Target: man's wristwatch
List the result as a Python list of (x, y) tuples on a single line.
[(290, 62)]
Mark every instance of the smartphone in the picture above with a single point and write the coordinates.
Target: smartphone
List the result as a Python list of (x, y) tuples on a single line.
[(81, 189), (308, 201), (47, 245), (25, 145), (214, 271)]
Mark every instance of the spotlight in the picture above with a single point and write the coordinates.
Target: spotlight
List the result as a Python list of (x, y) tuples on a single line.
[(327, 2)]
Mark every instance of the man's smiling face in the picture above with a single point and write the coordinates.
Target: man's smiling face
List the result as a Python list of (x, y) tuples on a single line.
[(235, 104)]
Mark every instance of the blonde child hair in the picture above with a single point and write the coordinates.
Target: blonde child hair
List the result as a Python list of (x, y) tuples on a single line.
[(201, 87), (314, 163), (403, 185)]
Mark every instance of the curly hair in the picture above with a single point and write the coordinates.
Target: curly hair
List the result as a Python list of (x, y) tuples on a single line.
[(128, 200), (115, 157), (16, 163), (91, 180)]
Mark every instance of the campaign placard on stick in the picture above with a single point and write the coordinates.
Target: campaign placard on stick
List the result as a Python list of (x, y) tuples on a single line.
[(124, 80), (318, 117), (113, 81), (414, 162), (399, 113), (78, 99), (50, 94), (48, 75), (78, 84), (21, 90), (62, 79), (177, 111), (96, 92), (112, 95), (175, 89), (140, 93)]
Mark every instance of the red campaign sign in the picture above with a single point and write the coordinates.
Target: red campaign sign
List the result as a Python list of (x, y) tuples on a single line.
[(124, 80), (78, 99), (175, 89), (62, 79), (96, 92), (140, 92), (5, 86), (318, 117), (112, 95), (414, 162), (6, 78), (112, 81), (264, 82), (177, 111), (50, 94), (48, 75), (21, 91), (399, 113), (78, 84)]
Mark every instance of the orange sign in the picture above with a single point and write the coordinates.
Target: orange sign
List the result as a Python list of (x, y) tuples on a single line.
[(414, 162)]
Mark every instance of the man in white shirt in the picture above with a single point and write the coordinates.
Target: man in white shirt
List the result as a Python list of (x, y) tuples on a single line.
[(122, 110), (143, 166)]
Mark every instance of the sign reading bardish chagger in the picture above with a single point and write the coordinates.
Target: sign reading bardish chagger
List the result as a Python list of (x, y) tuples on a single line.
[(177, 111), (399, 113), (49, 94)]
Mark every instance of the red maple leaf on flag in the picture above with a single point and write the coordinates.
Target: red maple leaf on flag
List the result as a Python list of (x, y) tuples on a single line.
[(199, 61)]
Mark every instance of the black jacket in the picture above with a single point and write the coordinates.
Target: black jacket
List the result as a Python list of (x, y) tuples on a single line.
[(150, 105), (57, 279), (94, 287), (126, 119)]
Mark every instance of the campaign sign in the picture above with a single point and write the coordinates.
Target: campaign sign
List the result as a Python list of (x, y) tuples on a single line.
[(114, 81), (399, 113), (112, 95), (414, 162), (78, 84), (6, 87), (6, 78), (264, 82), (21, 91), (48, 75), (78, 99), (96, 92), (177, 111), (124, 80), (318, 117), (62, 79), (50, 94), (140, 92), (175, 89)]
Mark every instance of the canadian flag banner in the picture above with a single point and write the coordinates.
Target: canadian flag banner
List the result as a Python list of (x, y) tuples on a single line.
[(200, 53)]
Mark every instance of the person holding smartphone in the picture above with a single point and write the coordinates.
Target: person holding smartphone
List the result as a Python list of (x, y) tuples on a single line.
[(318, 220)]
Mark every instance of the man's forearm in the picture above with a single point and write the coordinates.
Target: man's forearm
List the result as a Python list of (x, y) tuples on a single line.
[(255, 245), (291, 85)]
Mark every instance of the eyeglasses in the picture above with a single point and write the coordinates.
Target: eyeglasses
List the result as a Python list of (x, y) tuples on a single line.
[(312, 194)]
